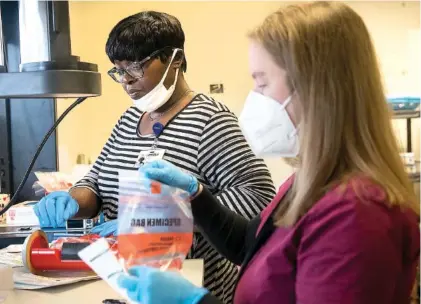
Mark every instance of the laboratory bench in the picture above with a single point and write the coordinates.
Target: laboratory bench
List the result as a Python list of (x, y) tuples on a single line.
[(89, 292), (10, 235)]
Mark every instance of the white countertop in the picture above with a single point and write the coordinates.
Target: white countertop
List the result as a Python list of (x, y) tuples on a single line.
[(91, 292)]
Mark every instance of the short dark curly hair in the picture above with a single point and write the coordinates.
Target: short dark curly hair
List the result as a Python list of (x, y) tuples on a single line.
[(137, 36)]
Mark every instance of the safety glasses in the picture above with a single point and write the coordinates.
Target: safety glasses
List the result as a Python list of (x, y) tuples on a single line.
[(135, 69)]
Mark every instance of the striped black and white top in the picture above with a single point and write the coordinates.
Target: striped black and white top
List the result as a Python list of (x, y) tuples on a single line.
[(205, 140)]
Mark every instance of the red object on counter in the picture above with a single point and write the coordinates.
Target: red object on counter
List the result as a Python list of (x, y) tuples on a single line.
[(88, 238), (38, 256)]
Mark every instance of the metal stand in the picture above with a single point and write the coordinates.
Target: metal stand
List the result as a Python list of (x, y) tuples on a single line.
[(30, 87), (28, 119)]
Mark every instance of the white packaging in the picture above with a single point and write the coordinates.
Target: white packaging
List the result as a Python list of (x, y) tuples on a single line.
[(408, 158), (22, 215)]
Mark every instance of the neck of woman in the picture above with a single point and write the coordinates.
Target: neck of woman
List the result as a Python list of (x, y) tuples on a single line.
[(182, 89)]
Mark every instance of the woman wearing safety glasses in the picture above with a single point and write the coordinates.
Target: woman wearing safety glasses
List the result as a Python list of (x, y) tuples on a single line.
[(167, 121)]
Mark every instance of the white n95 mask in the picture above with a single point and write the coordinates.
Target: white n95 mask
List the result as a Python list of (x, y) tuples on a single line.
[(159, 95), (267, 127)]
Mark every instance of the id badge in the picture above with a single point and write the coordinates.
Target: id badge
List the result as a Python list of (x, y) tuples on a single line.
[(148, 156)]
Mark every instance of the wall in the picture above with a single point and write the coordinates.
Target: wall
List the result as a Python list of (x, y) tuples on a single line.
[(216, 50)]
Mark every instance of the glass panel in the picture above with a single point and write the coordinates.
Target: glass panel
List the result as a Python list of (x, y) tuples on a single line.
[(33, 28)]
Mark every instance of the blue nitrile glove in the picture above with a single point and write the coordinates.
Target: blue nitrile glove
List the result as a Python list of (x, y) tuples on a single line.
[(106, 229), (168, 174), (149, 285), (55, 209)]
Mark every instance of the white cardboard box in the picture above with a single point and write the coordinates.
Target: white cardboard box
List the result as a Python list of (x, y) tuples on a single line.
[(22, 215)]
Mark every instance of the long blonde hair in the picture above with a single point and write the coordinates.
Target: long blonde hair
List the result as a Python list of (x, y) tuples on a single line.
[(345, 126)]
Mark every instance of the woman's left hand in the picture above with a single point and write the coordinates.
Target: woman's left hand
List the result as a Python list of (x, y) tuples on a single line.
[(168, 174), (148, 285)]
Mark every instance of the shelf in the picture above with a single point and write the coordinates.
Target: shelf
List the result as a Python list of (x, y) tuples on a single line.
[(406, 114), (414, 177)]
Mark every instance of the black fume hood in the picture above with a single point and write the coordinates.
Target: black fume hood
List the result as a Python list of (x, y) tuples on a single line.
[(47, 68)]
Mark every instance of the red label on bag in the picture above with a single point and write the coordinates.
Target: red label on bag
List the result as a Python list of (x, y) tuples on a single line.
[(148, 248)]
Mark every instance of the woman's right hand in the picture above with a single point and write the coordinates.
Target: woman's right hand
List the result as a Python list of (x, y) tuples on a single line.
[(168, 174), (106, 229), (55, 209)]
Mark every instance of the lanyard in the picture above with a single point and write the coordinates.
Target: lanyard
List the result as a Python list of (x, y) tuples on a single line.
[(153, 152), (157, 129)]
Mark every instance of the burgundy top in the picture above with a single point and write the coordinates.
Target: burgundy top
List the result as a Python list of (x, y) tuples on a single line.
[(347, 249)]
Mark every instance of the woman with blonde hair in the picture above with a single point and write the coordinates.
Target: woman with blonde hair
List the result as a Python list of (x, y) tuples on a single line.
[(344, 228)]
